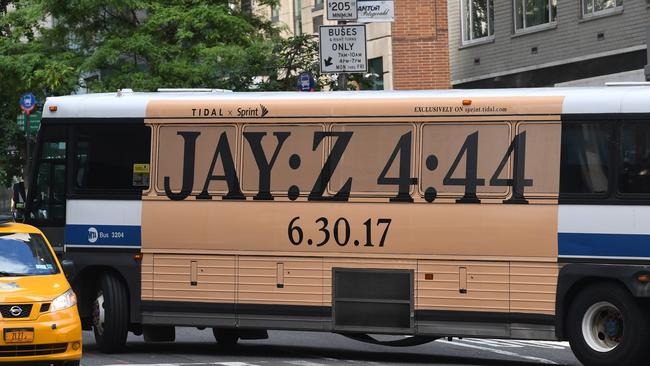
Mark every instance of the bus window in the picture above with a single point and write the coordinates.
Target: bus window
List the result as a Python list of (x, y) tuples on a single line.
[(447, 149), (542, 152), (105, 156), (208, 144), (634, 176), (369, 152), (584, 162), (48, 198), (296, 164)]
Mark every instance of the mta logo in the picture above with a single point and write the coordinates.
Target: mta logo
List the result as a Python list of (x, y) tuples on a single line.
[(93, 235)]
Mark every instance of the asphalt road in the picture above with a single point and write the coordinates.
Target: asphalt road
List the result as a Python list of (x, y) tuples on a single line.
[(197, 348)]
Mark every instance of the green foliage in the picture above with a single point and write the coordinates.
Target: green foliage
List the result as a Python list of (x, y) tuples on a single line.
[(28, 62), (292, 56), (150, 44), (54, 47)]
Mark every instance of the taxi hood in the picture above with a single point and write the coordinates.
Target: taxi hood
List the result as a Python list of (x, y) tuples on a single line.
[(32, 288)]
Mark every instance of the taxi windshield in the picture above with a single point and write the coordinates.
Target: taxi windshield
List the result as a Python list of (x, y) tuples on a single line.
[(23, 254)]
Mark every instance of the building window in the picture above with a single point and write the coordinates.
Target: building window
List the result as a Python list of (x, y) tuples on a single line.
[(376, 73), (477, 19), (318, 4), (297, 17), (275, 13), (317, 21), (533, 13), (596, 7)]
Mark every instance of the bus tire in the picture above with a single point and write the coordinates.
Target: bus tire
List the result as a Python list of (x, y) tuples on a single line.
[(110, 314), (226, 337), (606, 326)]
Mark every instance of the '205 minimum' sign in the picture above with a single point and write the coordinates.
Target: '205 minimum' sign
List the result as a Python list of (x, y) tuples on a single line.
[(341, 9)]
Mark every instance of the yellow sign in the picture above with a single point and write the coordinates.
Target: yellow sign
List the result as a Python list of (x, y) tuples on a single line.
[(141, 168)]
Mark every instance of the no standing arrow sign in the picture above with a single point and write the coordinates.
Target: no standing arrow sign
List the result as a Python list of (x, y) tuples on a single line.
[(343, 48)]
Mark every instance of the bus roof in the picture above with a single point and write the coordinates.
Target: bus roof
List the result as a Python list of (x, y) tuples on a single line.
[(127, 104)]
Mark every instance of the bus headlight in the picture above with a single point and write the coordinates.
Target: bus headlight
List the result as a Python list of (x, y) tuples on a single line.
[(67, 300)]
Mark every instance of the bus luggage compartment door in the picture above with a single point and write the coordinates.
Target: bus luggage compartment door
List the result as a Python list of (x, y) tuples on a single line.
[(373, 300)]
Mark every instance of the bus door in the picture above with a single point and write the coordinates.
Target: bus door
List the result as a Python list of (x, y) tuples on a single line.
[(47, 190)]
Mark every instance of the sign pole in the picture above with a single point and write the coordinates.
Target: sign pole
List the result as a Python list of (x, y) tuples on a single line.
[(343, 81), (647, 42), (342, 46), (27, 104), (343, 77), (27, 113)]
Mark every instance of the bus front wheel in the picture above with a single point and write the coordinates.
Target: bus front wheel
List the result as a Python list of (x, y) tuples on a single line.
[(110, 314), (606, 326)]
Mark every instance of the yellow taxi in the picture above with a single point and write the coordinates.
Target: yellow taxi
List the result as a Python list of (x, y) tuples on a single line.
[(39, 321)]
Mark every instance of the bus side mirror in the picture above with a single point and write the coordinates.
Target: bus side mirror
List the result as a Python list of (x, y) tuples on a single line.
[(18, 202), (68, 268)]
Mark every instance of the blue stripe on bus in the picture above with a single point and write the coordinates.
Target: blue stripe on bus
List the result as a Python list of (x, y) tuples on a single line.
[(122, 235), (604, 245)]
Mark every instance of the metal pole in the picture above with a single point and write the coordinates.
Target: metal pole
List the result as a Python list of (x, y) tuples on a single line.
[(647, 66), (343, 81), (27, 142), (343, 77)]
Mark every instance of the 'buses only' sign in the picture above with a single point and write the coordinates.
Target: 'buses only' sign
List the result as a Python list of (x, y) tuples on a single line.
[(343, 48)]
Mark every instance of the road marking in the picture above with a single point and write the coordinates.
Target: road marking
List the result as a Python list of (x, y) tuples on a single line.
[(491, 343), (304, 363), (502, 352), (550, 343), (538, 344), (510, 343)]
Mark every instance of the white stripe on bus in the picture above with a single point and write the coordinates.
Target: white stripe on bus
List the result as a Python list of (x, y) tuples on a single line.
[(104, 212), (609, 219)]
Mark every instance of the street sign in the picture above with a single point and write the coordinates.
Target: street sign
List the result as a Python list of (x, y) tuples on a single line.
[(306, 82), (341, 9), (375, 11), (27, 102), (34, 121), (343, 48)]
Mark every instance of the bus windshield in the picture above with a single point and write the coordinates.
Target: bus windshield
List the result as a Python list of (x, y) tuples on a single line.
[(23, 254)]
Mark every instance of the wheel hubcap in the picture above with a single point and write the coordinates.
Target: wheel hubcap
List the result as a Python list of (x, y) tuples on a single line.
[(602, 326), (99, 313)]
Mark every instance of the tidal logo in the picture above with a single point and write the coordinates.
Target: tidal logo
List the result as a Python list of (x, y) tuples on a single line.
[(93, 235)]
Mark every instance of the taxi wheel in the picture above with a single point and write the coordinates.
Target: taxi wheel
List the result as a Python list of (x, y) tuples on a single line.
[(72, 363), (110, 314)]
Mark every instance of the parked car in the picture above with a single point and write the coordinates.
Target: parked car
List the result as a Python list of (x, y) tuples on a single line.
[(39, 320)]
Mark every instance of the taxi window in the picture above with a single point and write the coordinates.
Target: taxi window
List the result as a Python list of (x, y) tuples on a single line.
[(23, 254)]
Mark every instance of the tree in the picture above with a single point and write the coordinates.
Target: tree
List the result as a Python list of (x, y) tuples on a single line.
[(53, 47), (27, 63), (292, 56), (150, 44)]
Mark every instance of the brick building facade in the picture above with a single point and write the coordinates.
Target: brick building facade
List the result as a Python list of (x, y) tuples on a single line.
[(410, 53), (420, 45)]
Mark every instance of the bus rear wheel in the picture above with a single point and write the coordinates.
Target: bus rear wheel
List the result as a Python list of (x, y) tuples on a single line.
[(606, 326), (225, 336), (110, 314)]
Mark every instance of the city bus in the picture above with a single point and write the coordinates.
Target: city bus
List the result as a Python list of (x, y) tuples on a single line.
[(506, 213)]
